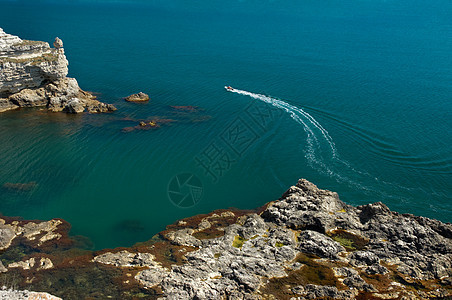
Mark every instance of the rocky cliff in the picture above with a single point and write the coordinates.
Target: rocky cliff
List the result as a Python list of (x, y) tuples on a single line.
[(306, 245), (32, 75)]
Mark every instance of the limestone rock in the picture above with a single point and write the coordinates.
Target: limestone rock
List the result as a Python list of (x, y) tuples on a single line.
[(34, 75), (358, 283), (45, 263), (139, 97), (321, 245), (183, 237), (46, 231), (126, 259), (152, 276), (7, 234), (376, 269), (2, 268), (26, 265), (25, 295), (345, 272), (58, 43), (74, 106), (363, 258), (311, 291), (7, 40), (94, 106), (28, 64), (304, 206)]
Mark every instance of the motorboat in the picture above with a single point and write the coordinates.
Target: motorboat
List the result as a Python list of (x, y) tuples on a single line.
[(229, 88)]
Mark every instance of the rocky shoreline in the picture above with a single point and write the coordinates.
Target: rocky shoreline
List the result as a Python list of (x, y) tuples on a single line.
[(306, 245), (34, 75)]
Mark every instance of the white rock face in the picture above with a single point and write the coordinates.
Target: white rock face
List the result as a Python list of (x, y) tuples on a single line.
[(6, 40), (32, 74), (27, 64)]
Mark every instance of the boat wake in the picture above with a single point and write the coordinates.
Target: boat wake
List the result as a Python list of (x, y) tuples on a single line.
[(321, 152)]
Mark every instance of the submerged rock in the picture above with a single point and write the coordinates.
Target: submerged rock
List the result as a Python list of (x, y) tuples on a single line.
[(34, 75), (20, 186), (186, 108), (155, 123)]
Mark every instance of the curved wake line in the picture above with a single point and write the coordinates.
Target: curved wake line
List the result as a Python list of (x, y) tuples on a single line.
[(314, 152), (296, 114)]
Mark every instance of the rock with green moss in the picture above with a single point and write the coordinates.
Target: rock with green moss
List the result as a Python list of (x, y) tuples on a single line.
[(319, 244), (238, 241)]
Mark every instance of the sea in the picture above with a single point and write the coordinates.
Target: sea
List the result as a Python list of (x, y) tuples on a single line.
[(353, 95)]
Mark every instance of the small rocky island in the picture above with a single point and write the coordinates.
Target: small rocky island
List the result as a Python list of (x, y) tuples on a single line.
[(34, 75), (139, 97), (306, 245)]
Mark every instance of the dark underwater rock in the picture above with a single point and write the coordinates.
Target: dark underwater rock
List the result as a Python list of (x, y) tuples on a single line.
[(24, 187)]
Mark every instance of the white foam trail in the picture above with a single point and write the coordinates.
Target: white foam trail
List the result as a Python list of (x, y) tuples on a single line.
[(297, 114), (314, 153), (315, 123), (311, 138), (310, 125)]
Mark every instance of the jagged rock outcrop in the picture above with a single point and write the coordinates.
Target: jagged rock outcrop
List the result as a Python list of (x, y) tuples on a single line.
[(25, 295), (306, 245), (139, 97), (125, 258), (415, 252), (33, 75), (39, 232)]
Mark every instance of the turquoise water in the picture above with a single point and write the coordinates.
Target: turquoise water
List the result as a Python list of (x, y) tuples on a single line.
[(352, 95)]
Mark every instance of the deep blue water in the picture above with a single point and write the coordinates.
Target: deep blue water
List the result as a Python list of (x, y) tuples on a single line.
[(367, 109)]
